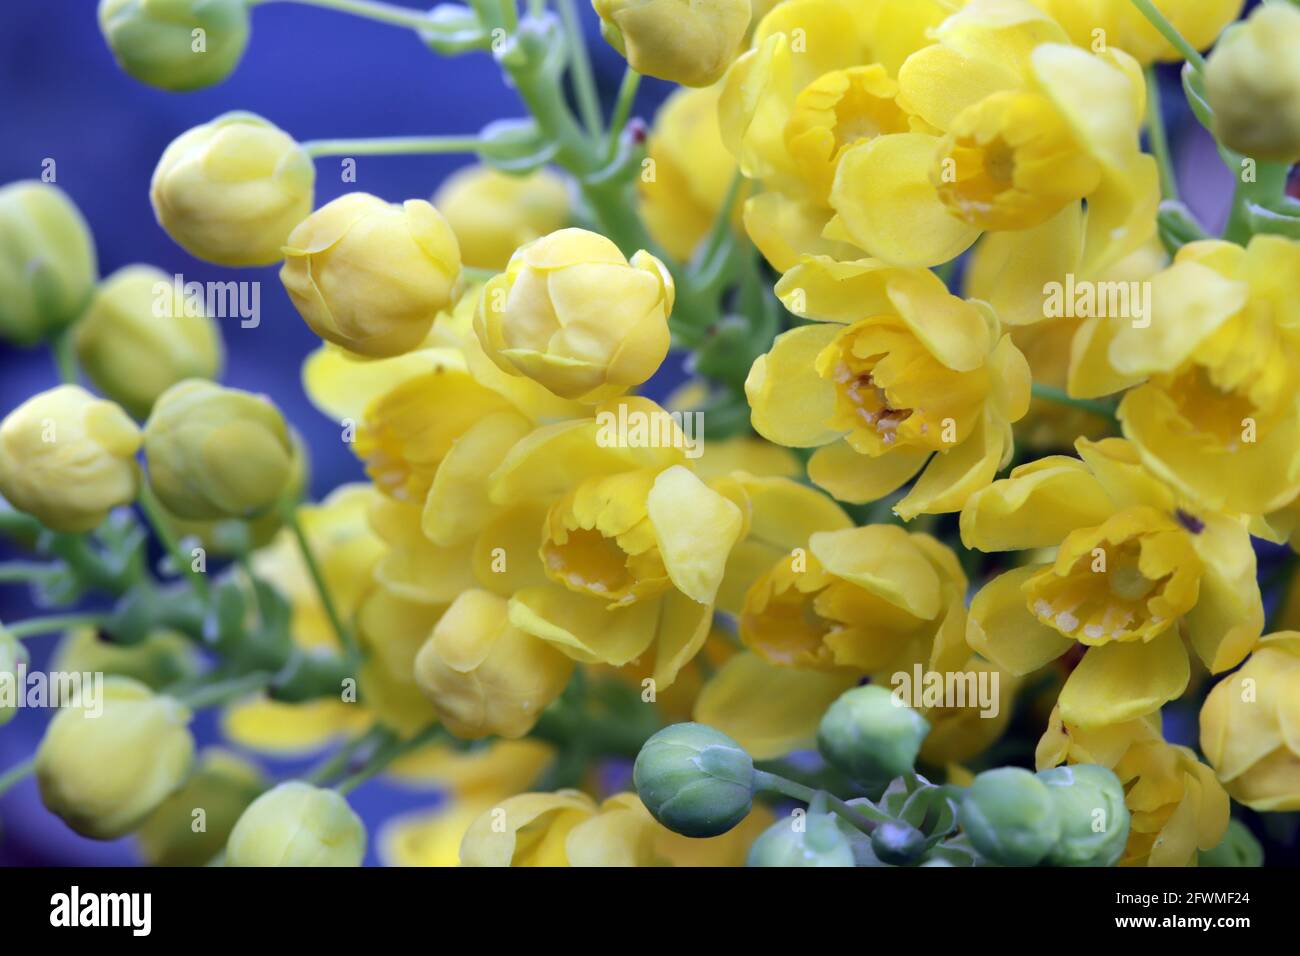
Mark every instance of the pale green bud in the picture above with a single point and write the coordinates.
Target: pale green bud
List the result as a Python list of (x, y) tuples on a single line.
[(870, 736), (1252, 81), (13, 655), (897, 843), (191, 826), (812, 839), (1237, 848), (108, 761), (47, 262), (1010, 817), (216, 452), (695, 780), (1094, 819), (296, 824), (176, 44)]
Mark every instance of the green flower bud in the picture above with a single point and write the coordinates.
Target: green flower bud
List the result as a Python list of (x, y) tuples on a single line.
[(191, 826), (695, 780), (1237, 848), (47, 262), (216, 452), (1010, 817), (870, 736), (108, 761), (1252, 81), (296, 824), (899, 844), (1094, 819), (161, 659), (176, 44), (137, 339), (812, 839), (13, 655)]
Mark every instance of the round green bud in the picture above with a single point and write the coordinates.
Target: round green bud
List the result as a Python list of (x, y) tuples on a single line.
[(1237, 848), (897, 843), (869, 735), (812, 839), (216, 452), (1093, 816), (191, 826), (296, 824), (176, 44), (1010, 817), (13, 657), (47, 262), (695, 780), (1252, 81), (139, 338)]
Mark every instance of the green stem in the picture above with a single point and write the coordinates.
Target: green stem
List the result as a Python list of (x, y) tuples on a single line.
[(622, 110), (863, 816), (385, 755), (65, 357), (1053, 394), (370, 9), (392, 146), (1269, 187), (721, 228), (1170, 32), (1159, 136), (16, 774), (53, 624), (157, 518), (339, 761), (341, 630), (226, 690), (21, 571), (584, 81)]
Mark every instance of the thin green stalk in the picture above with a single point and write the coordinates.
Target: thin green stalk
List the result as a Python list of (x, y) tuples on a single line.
[(863, 816), (392, 146), (369, 9), (340, 760), (1170, 32), (341, 630), (157, 518), (1053, 394), (54, 624), (21, 571), (226, 690), (622, 109), (721, 228), (1269, 187), (16, 774), (385, 755), (584, 81), (1159, 136), (65, 358)]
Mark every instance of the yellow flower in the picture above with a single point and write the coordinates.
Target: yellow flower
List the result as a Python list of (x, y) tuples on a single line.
[(1217, 417), (691, 42), (220, 788), (296, 824), (1136, 572), (898, 378), (1097, 24), (391, 629), (1252, 82), (138, 339), (68, 458), (692, 171), (1177, 805), (370, 275), (107, 761), (571, 313), (493, 213), (216, 452), (230, 191), (47, 262), (1248, 726), (483, 675), (176, 44), (565, 828), (819, 79), (1029, 128)]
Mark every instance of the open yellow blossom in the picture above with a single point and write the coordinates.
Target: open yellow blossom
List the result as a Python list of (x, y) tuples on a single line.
[(1177, 805), (1248, 726), (1097, 24), (1137, 572), (1217, 418), (494, 213), (1028, 128), (572, 313), (691, 42), (897, 378)]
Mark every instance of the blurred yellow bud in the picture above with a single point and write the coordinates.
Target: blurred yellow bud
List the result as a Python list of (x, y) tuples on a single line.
[(160, 659), (1253, 84), (68, 458), (176, 44), (12, 656), (571, 313), (231, 191), (216, 452), (108, 761), (296, 824), (47, 261), (493, 213), (691, 42), (138, 339), (483, 675), (370, 275), (191, 826)]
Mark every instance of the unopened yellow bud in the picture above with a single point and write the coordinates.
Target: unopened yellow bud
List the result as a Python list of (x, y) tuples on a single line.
[(297, 824), (691, 42), (231, 191), (216, 452), (138, 339), (574, 315), (107, 762), (371, 275), (190, 828), (68, 458), (176, 44), (493, 213), (1253, 84), (47, 261)]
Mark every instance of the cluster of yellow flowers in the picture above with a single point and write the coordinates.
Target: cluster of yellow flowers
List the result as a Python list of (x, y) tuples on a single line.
[(540, 551)]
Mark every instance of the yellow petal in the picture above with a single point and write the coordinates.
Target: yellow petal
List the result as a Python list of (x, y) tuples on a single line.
[(584, 627), (851, 476), (790, 403), (290, 729), (1229, 614), (1122, 680), (953, 476), (694, 549), (882, 560), (1036, 507), (1002, 629)]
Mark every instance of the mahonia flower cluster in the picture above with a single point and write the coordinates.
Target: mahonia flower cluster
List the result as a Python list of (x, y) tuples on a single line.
[(994, 425)]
